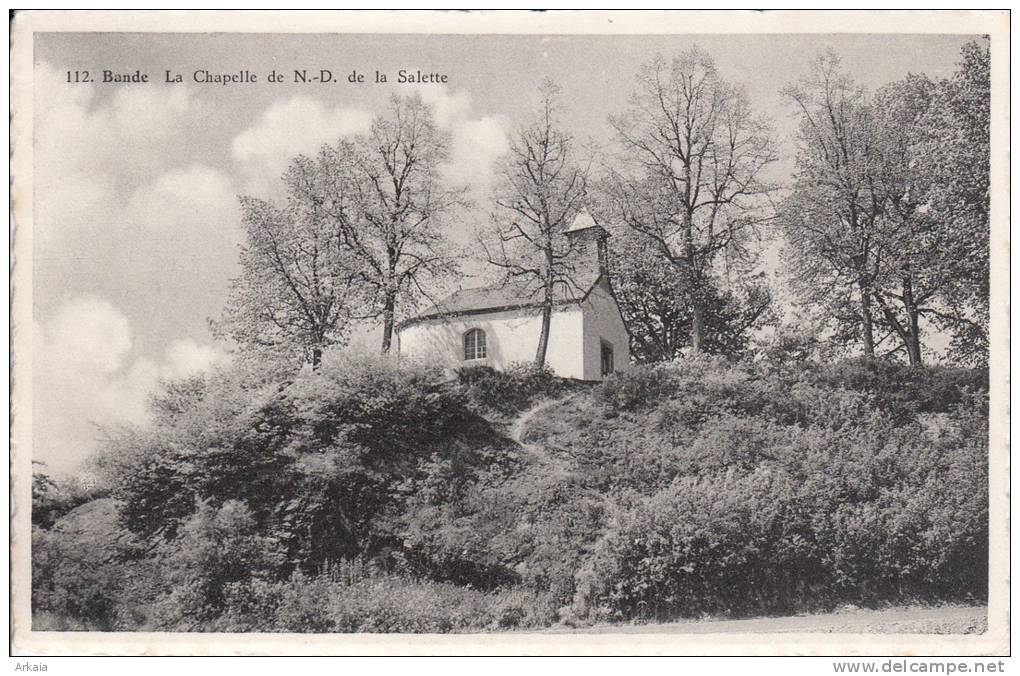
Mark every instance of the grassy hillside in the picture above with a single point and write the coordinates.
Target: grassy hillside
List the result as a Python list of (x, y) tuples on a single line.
[(376, 497)]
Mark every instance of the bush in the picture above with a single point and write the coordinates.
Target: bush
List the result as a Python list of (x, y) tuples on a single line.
[(639, 388), (722, 544), (52, 499), (798, 495), (71, 589), (85, 571), (217, 549), (320, 460), (378, 602), (905, 391), (508, 391)]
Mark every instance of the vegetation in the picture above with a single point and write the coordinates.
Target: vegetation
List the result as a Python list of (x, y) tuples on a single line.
[(689, 177), (885, 242), (653, 298), (510, 391), (880, 238), (370, 497), (359, 238)]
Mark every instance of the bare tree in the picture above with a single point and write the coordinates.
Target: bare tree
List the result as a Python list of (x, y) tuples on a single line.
[(542, 188), (690, 172)]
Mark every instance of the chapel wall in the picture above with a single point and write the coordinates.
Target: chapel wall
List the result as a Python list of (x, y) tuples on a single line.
[(511, 336), (602, 321)]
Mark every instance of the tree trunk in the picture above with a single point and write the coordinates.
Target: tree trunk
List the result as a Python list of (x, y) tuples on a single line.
[(914, 332), (543, 337), (697, 328), (390, 299), (914, 348), (388, 313), (316, 357), (697, 309), (867, 327), (547, 302)]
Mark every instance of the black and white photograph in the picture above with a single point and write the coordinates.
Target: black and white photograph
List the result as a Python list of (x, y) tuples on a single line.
[(510, 326)]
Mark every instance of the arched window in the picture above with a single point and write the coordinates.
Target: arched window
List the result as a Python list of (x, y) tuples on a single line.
[(474, 344)]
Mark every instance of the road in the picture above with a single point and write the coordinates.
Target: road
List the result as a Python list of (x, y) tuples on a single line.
[(900, 620)]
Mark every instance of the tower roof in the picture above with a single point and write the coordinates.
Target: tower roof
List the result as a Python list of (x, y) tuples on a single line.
[(582, 221)]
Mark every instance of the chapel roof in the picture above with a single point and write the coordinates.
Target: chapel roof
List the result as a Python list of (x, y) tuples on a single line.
[(497, 298), (501, 297)]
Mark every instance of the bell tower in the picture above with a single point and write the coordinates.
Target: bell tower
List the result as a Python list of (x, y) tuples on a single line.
[(589, 244)]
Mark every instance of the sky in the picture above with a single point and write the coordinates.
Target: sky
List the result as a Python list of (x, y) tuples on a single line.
[(136, 223)]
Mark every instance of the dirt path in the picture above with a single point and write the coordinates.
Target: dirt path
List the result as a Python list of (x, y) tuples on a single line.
[(902, 620), (521, 424), (556, 465)]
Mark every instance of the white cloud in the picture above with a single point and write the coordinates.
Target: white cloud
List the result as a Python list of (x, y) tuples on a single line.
[(89, 333), (83, 378), (113, 205), (186, 358), (132, 128), (163, 254), (450, 108), (84, 147), (299, 125), (190, 213), (476, 143)]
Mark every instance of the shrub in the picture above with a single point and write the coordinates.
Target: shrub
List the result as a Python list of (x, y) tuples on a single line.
[(84, 572), (320, 459), (704, 545), (765, 490), (378, 602), (217, 549), (511, 390), (768, 519), (639, 388), (52, 499), (69, 587), (905, 391)]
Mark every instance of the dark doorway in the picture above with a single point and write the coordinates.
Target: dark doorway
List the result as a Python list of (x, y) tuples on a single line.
[(607, 358)]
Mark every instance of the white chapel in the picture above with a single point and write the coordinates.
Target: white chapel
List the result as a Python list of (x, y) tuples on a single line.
[(497, 326)]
